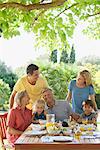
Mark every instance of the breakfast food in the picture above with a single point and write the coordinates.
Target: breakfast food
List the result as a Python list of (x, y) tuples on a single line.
[(57, 129), (52, 128)]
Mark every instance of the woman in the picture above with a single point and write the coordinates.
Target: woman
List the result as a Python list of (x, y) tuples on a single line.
[(19, 118), (80, 90)]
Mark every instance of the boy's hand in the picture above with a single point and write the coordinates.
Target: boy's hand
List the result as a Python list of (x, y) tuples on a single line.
[(75, 116)]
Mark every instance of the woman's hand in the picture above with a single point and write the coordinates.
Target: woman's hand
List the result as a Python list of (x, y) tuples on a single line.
[(69, 96)]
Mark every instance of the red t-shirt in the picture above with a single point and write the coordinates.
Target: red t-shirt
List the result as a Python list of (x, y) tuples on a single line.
[(19, 120)]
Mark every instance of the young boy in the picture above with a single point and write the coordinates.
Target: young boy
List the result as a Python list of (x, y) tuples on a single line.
[(89, 115)]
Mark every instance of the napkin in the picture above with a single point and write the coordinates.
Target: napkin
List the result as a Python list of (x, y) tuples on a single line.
[(47, 139)]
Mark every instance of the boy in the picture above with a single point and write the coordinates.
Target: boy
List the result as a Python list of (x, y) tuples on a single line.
[(88, 115)]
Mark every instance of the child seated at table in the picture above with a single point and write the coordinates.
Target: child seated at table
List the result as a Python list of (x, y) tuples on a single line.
[(88, 116), (39, 112)]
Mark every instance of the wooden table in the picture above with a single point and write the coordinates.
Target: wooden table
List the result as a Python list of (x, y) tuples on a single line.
[(25, 142)]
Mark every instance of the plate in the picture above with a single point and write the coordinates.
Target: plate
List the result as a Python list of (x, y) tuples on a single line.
[(88, 127), (34, 132), (96, 134), (37, 127), (62, 138), (42, 122), (47, 139)]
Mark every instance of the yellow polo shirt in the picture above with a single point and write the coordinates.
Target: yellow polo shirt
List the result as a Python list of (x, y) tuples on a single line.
[(34, 91)]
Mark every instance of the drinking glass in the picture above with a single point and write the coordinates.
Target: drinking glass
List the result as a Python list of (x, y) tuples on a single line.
[(85, 121), (50, 118)]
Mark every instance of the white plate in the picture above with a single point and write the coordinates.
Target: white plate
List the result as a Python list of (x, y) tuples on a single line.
[(37, 127), (34, 132), (62, 138), (96, 134), (42, 122), (47, 139), (88, 137)]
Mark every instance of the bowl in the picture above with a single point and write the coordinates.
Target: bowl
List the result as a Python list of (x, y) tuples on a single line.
[(66, 130)]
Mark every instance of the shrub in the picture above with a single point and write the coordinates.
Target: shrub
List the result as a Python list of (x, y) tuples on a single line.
[(4, 95), (58, 77)]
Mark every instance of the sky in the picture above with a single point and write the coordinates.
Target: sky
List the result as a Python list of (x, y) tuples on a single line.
[(19, 50), (83, 45)]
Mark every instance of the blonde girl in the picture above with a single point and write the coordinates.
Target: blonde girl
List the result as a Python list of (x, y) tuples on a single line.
[(39, 112)]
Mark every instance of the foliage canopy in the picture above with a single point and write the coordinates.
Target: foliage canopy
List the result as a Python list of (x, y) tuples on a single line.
[(53, 24)]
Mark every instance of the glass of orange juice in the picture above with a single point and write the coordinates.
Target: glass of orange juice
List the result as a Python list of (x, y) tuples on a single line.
[(77, 134), (85, 121)]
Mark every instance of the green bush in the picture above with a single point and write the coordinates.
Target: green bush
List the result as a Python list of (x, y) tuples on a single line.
[(98, 100), (4, 95), (58, 77)]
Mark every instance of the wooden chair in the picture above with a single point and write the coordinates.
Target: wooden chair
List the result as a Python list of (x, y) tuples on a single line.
[(3, 120), (3, 127)]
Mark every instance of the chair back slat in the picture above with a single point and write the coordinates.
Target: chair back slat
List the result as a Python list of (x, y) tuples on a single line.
[(3, 120)]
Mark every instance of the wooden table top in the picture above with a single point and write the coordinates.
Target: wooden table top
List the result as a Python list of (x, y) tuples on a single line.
[(34, 143)]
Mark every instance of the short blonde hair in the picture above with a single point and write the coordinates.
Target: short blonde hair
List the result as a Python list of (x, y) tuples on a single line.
[(87, 77), (19, 96), (40, 102)]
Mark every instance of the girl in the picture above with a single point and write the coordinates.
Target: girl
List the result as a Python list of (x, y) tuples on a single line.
[(39, 112)]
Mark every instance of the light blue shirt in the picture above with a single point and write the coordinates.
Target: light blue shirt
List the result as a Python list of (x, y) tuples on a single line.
[(61, 109), (79, 95)]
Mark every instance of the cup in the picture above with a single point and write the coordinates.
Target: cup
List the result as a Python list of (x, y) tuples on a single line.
[(77, 135), (50, 118), (85, 121)]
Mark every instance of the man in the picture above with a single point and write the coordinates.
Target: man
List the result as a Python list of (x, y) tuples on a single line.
[(61, 109), (32, 82)]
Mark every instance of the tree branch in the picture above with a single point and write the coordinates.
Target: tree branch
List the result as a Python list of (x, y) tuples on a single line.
[(93, 15), (66, 9), (36, 18), (32, 6), (73, 6)]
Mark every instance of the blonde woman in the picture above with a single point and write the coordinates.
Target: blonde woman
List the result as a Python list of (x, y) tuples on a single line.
[(80, 90), (19, 118)]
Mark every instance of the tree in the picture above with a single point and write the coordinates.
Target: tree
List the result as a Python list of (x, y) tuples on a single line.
[(72, 55), (53, 56), (7, 75), (64, 57), (52, 24)]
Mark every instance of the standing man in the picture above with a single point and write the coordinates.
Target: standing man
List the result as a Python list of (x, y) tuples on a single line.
[(32, 82)]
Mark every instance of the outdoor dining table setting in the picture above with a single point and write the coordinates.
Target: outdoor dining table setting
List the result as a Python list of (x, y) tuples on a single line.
[(52, 135)]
